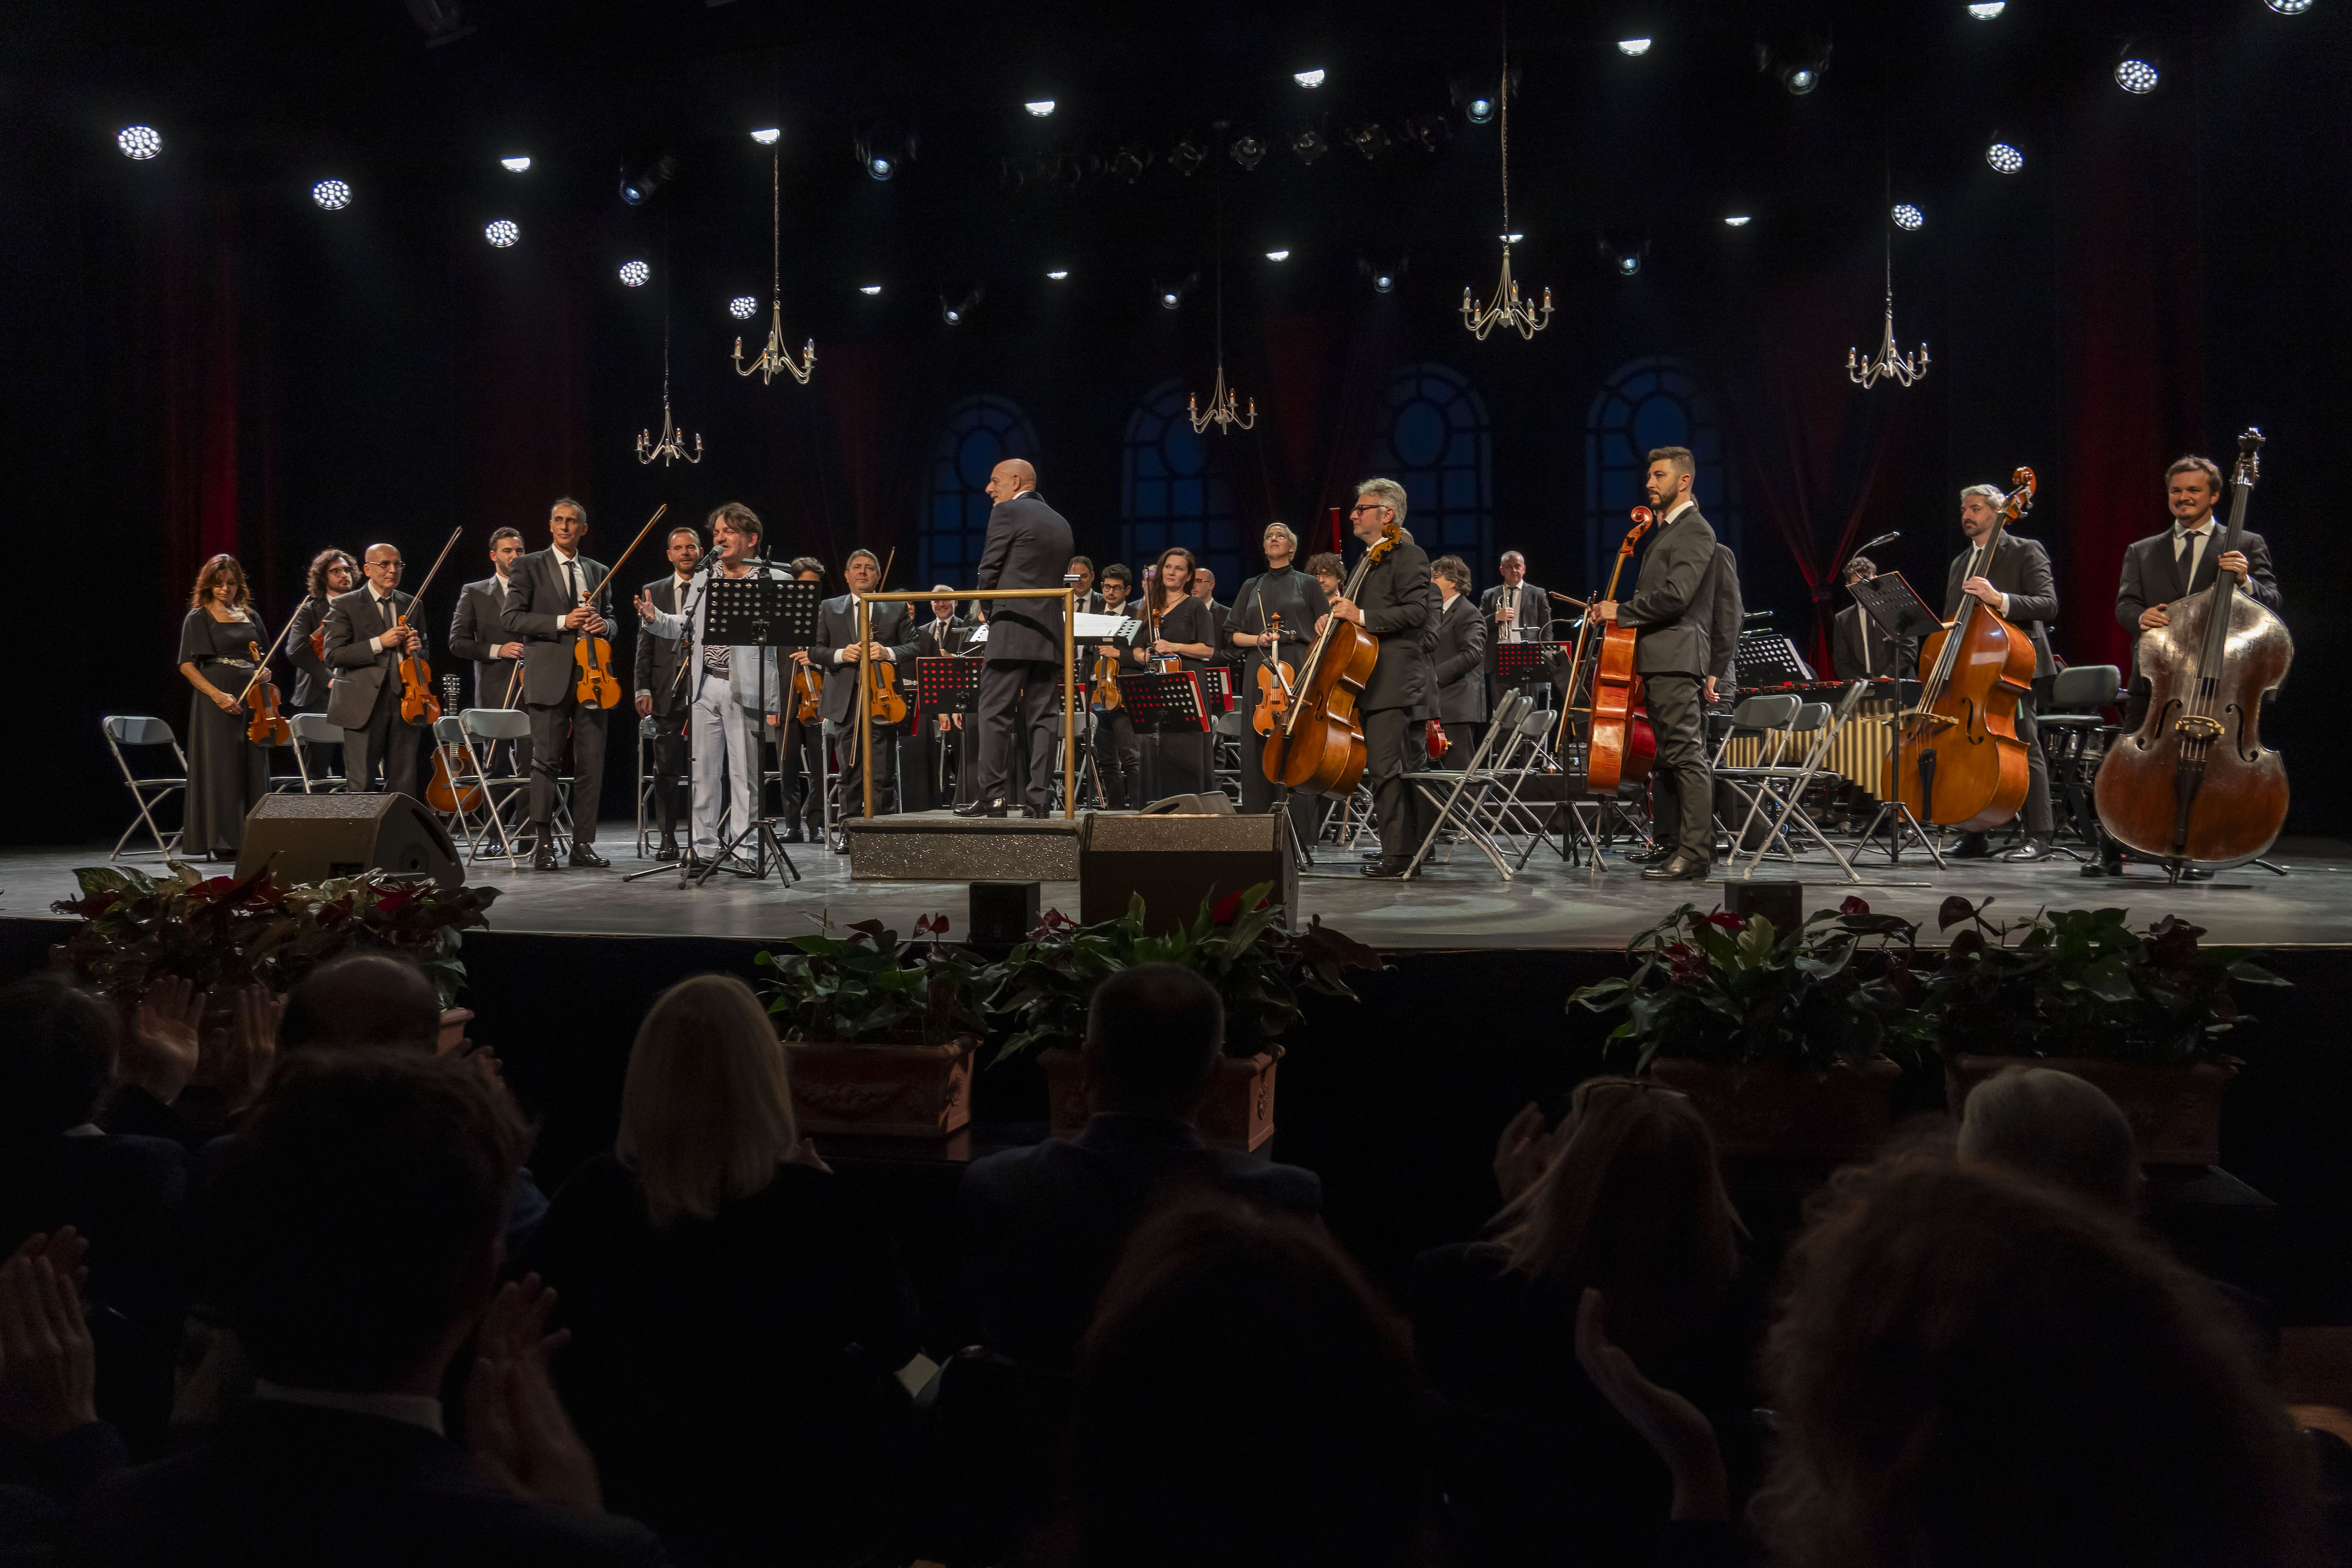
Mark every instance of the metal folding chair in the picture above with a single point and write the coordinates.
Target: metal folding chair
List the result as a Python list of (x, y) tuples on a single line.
[(483, 729), (2068, 731), (1777, 791), (148, 790), (1463, 790), (313, 729)]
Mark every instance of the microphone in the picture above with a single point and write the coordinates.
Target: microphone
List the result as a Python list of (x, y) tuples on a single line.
[(1881, 539)]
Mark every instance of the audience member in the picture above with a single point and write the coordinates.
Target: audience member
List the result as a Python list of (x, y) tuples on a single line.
[(52, 1443), (735, 1313), (2054, 1127), (358, 1233), (363, 1000), (1245, 1399), (1624, 1198), (1041, 1227)]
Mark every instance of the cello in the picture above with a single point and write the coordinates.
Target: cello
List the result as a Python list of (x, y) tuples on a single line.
[(417, 702), (1321, 744), (1963, 764), (596, 687), (1615, 752), (2194, 786)]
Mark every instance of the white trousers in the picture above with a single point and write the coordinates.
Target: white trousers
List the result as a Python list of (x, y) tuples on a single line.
[(726, 764)]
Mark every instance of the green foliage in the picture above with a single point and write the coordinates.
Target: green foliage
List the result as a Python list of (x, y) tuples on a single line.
[(1742, 993), (870, 985), (1041, 989), (223, 933)]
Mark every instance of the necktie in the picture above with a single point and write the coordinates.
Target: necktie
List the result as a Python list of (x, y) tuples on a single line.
[(2191, 546), (571, 576)]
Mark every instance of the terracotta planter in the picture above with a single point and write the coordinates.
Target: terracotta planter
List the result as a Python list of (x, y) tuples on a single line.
[(2174, 1109), (1239, 1113), (881, 1091), (1769, 1112)]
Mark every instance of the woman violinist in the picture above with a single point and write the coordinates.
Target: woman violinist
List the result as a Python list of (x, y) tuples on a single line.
[(1184, 632), (227, 773)]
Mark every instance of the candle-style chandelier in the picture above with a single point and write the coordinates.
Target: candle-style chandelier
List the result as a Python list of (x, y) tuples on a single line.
[(1224, 405), (1888, 363), (775, 357), (671, 448), (1505, 308)]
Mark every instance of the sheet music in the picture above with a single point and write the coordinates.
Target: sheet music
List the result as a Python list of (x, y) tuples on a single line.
[(1086, 627)]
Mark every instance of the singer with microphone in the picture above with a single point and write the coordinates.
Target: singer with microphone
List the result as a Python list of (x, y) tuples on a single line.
[(1860, 648)]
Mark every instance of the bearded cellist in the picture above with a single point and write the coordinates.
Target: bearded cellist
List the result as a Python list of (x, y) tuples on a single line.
[(2017, 586)]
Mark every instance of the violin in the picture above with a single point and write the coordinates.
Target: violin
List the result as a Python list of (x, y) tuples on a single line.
[(1613, 752), (267, 726), (596, 687), (417, 702), (1274, 683), (1107, 697), (1319, 746), (879, 677), (445, 793), (1963, 765), (809, 687), (2194, 785)]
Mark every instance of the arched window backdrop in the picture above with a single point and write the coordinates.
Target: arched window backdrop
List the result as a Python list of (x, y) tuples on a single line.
[(1650, 402), (981, 431), (1437, 443), (1175, 491)]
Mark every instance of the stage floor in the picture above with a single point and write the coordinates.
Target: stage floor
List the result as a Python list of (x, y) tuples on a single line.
[(1457, 906)]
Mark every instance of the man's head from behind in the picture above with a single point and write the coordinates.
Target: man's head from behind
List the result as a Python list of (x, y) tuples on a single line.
[(1153, 1033), (360, 1216), (363, 1000), (2055, 1128)]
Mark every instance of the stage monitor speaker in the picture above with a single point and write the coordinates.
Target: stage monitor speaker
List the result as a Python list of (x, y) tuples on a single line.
[(311, 838), (1215, 803), (1175, 862)]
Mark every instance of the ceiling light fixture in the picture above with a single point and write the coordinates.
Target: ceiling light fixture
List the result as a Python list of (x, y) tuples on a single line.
[(1058, 274), (1040, 107), (1505, 308), (139, 142), (1986, 10), (518, 163), (502, 231), (332, 195), (1383, 282), (1278, 255), (1479, 110), (1738, 221), (1310, 77), (869, 289), (1888, 363), (775, 356), (1633, 46), (2289, 7), (2136, 76), (742, 307), (768, 137), (635, 273), (2005, 159), (1907, 217)]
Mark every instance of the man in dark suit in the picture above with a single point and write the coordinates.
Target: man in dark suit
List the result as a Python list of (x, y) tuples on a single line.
[(2163, 569), (1090, 599), (2017, 586), (365, 644), (477, 633), (1860, 649), (1394, 604), (1118, 749), (936, 743), (357, 1239), (1671, 611), (1028, 546), (1723, 615), (1041, 1227), (1458, 659), (1204, 587), (1515, 610), (663, 697), (554, 598), (331, 572), (839, 654)]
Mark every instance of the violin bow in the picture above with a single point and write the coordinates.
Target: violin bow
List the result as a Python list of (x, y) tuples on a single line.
[(262, 668), (587, 594), (418, 597)]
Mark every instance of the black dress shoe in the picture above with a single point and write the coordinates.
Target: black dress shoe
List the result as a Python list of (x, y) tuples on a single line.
[(840, 844), (1036, 813), (1679, 867), (1971, 847), (792, 834), (2102, 868), (586, 858), (668, 852), (1659, 854), (1386, 870), (982, 809), (2031, 850), (543, 857), (2197, 873)]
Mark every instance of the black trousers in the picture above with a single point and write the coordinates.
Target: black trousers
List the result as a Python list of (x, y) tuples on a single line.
[(1119, 757), (670, 770), (851, 780), (386, 742), (1017, 701), (1391, 735), (1462, 738), (926, 756), (1258, 790), (1679, 713), (800, 762), (549, 725)]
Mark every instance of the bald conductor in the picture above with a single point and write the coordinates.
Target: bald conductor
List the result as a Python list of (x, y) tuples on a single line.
[(1028, 546)]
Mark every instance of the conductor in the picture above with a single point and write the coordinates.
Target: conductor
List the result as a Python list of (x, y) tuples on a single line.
[(1028, 546)]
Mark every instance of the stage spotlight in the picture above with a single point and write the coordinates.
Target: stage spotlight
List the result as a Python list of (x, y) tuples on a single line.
[(1058, 274), (1187, 156), (869, 289), (1800, 79), (331, 194), (1130, 162), (639, 185), (742, 307), (502, 231), (1309, 145), (1040, 107), (1986, 10), (1370, 139), (2135, 74), (1633, 46), (2004, 158), (635, 273), (139, 142), (2289, 7), (1249, 152), (1511, 238), (1173, 295), (1308, 79), (1738, 221), (518, 164), (1278, 255), (882, 149), (881, 166), (1629, 263), (953, 313), (1429, 130), (1479, 110), (1907, 216), (1384, 283), (1800, 60), (768, 137)]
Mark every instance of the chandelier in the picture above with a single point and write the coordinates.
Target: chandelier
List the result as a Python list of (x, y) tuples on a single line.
[(775, 357), (1888, 363), (671, 448), (1224, 405), (1505, 308)]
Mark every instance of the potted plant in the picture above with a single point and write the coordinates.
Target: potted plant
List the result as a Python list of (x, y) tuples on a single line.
[(221, 934), (1040, 991), (879, 1033), (2142, 1014), (1781, 1039)]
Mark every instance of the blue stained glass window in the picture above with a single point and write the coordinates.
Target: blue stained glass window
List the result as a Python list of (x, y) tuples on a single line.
[(1436, 443), (1176, 493), (1650, 402), (981, 431)]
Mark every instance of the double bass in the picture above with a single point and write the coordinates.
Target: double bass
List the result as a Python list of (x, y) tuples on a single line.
[(1619, 746), (1320, 745), (1962, 764), (2194, 785)]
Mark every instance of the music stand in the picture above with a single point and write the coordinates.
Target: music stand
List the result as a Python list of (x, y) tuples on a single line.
[(1217, 688), (1519, 664), (759, 611), (1895, 608), (1769, 659), (945, 683), (1166, 702)]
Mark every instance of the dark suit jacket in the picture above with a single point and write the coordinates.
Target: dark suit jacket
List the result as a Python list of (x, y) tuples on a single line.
[(1028, 544), (1723, 620), (286, 1484), (1670, 605), (935, 640), (476, 633), (2021, 568), (1535, 609), (837, 627), (360, 676), (1459, 661), (537, 598), (2152, 576), (657, 657), (311, 676), (1397, 599), (1041, 1227), (1889, 655)]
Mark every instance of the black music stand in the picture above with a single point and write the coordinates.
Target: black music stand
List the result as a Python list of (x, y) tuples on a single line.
[(1217, 688), (946, 683), (1895, 608), (1769, 659), (1521, 663), (759, 611)]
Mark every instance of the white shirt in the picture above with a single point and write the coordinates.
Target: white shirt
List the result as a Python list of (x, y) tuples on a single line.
[(2188, 547), (1685, 504), (382, 604), (409, 1409)]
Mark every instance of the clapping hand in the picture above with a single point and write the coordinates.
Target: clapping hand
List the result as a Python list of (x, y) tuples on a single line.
[(236, 1061), (161, 1050), (49, 1367), (1676, 1428), (515, 1423)]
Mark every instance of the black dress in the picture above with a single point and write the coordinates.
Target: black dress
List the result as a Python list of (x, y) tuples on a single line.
[(227, 772), (1184, 763)]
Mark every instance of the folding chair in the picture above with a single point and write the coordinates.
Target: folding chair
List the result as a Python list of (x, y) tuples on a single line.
[(1526, 753), (1462, 790), (454, 746), (1777, 790), (2076, 696), (313, 729), (483, 729), (147, 790)]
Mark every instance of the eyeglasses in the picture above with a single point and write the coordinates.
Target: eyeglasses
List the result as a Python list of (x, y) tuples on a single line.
[(1362, 508)]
